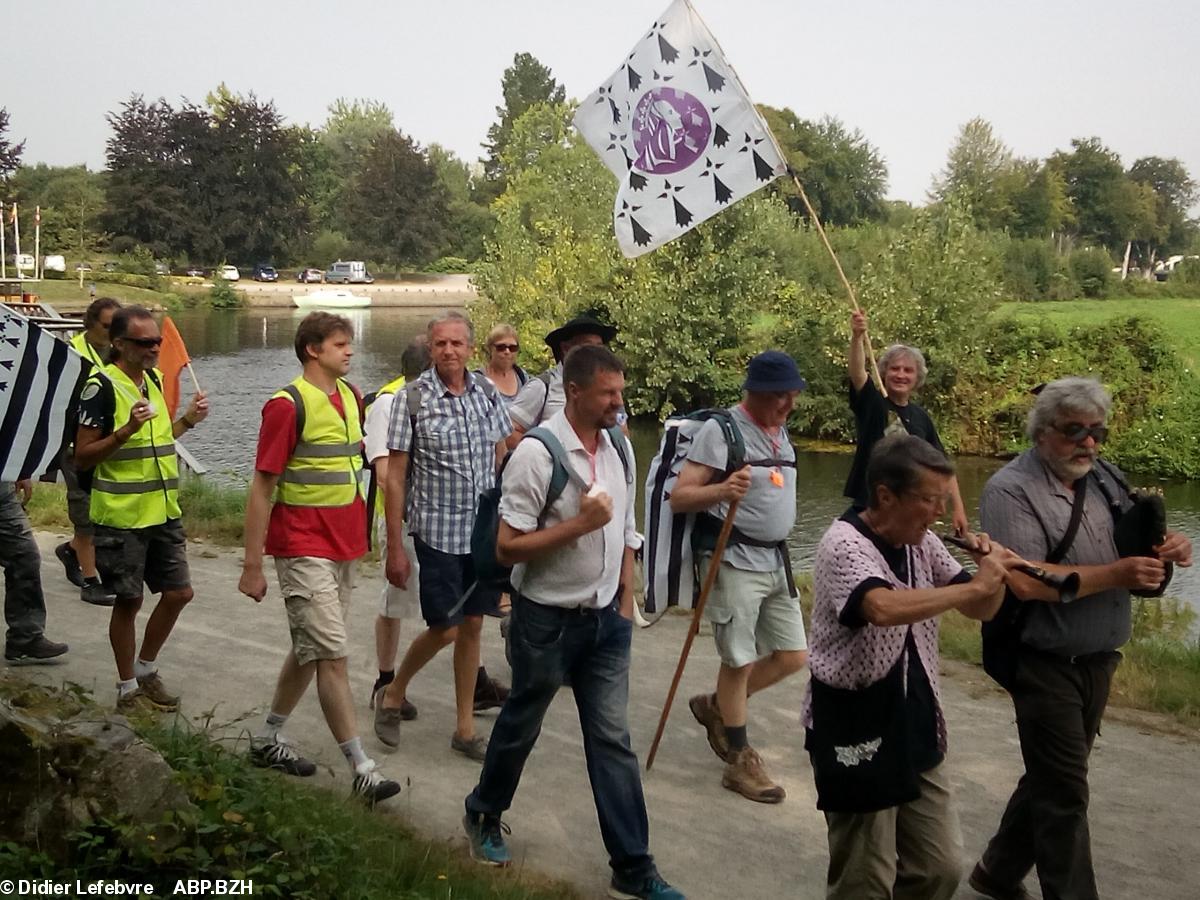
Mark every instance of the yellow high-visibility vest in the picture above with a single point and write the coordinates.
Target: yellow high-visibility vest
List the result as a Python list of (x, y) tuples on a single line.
[(325, 468), (137, 486), (392, 387), (86, 350)]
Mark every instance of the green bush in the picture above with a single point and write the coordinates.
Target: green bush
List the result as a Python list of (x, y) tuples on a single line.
[(223, 295), (149, 282), (1187, 276), (1092, 269), (1028, 268), (449, 265)]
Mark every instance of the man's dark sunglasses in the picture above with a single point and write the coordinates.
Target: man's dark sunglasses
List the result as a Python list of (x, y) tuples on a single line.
[(1077, 433), (511, 348), (145, 342)]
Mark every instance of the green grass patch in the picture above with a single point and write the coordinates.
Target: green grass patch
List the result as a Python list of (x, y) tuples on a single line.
[(211, 511), (1180, 317), (69, 296), (292, 839)]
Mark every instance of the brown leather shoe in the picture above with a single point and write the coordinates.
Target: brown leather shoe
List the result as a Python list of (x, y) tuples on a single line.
[(156, 692), (704, 708), (746, 774), (982, 882)]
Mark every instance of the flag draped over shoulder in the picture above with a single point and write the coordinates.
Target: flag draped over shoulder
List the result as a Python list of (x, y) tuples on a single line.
[(171, 359), (679, 131), (40, 379)]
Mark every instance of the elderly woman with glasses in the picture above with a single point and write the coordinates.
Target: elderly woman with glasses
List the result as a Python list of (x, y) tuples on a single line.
[(501, 368)]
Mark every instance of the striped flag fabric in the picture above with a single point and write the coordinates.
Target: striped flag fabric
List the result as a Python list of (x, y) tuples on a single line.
[(40, 380), (679, 131)]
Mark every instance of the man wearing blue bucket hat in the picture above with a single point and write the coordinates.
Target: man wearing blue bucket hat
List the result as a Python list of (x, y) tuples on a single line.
[(754, 608)]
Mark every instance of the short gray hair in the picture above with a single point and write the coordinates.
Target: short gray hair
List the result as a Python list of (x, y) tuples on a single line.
[(885, 359), (452, 315), (1083, 396)]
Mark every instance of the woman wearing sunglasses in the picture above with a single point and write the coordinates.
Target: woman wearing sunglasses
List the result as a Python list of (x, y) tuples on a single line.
[(501, 368)]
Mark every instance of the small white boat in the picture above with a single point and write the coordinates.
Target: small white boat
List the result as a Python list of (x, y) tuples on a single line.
[(331, 299)]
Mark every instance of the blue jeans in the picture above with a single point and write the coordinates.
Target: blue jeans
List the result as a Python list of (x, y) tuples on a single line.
[(24, 605), (593, 646)]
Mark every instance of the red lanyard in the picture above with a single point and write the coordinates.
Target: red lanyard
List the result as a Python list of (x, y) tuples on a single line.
[(773, 438)]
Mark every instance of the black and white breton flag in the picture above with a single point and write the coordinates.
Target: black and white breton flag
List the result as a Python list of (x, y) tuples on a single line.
[(40, 380), (679, 131)]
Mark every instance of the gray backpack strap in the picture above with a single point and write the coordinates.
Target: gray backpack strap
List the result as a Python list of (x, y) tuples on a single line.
[(294, 392), (545, 378), (562, 472), (412, 396)]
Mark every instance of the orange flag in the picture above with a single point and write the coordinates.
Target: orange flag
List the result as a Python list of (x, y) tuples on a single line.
[(171, 359)]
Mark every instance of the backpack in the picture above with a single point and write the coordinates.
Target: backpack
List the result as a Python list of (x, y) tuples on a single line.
[(413, 399), (489, 573), (670, 573)]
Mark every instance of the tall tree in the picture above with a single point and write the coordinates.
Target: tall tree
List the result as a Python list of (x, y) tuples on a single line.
[(844, 176), (183, 181), (71, 199), (10, 153), (1094, 178), (980, 173), (469, 221), (1175, 193), (345, 137), (1040, 205), (396, 204), (524, 83)]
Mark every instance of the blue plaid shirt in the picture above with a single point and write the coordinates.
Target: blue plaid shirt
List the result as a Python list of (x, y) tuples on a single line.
[(453, 454)]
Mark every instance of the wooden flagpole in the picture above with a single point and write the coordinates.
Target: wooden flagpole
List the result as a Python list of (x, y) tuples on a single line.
[(815, 219), (192, 372), (709, 579)]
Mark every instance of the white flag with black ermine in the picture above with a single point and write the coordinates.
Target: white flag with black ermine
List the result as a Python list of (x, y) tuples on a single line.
[(679, 131), (40, 379)]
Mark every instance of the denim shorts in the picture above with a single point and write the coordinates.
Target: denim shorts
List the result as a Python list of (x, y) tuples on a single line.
[(444, 579)]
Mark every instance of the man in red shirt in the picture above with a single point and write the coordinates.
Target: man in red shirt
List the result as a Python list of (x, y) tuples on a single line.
[(306, 509)]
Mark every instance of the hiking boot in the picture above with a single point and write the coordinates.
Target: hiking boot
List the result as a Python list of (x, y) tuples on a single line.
[(387, 720), (135, 703), (408, 712), (279, 754), (485, 836), (32, 653), (473, 748), (489, 693), (704, 708), (95, 593), (66, 555), (650, 888), (746, 774), (156, 692), (369, 785), (982, 882)]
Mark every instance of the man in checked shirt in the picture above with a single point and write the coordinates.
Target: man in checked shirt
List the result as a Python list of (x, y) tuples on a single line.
[(454, 443)]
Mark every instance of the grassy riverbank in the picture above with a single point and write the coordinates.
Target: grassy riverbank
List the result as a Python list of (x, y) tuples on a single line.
[(291, 839), (1179, 316)]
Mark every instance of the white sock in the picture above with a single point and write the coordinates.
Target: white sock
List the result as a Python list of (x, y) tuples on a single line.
[(354, 752), (143, 669), (126, 687), (270, 728)]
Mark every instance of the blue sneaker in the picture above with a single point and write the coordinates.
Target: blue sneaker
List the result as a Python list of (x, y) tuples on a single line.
[(485, 834), (650, 888)]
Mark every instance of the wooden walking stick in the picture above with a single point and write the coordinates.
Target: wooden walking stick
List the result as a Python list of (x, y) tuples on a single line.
[(812, 215), (709, 579)]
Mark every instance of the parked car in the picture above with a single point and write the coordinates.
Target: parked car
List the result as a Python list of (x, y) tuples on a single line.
[(195, 272), (353, 272), (110, 267), (83, 267), (310, 276), (229, 273), (161, 268), (265, 273)]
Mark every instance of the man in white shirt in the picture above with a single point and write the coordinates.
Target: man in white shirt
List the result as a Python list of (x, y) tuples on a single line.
[(572, 614)]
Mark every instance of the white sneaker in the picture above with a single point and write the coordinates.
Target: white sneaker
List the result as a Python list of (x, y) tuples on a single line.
[(370, 785)]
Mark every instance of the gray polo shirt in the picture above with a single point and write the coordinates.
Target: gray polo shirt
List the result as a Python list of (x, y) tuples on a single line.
[(768, 511), (1027, 508)]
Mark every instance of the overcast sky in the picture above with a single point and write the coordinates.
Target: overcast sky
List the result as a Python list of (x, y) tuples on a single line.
[(907, 74)]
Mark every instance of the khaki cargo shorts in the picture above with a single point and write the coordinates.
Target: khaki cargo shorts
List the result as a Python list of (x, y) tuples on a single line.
[(317, 595), (752, 614)]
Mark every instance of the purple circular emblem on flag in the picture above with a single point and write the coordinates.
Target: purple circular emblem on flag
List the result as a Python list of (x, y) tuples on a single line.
[(671, 128)]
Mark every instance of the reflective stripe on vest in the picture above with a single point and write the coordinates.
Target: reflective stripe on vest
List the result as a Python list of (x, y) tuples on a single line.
[(325, 468), (137, 486)]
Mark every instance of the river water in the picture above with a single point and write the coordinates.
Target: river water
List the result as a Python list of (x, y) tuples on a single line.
[(242, 357)]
